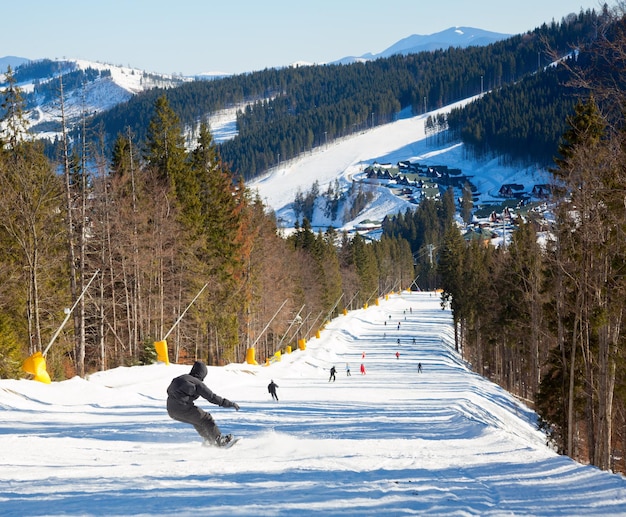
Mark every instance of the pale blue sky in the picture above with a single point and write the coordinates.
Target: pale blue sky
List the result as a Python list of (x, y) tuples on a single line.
[(196, 36)]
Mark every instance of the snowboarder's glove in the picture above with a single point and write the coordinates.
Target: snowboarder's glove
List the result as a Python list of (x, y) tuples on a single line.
[(228, 403)]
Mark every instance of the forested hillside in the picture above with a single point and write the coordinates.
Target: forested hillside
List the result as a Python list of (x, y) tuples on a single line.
[(520, 122), (543, 316), (292, 110), (146, 229)]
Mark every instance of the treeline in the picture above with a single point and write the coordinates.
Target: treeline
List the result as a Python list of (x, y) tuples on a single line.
[(141, 233), (48, 89), (290, 111), (47, 68), (546, 322), (544, 317), (424, 229), (521, 122)]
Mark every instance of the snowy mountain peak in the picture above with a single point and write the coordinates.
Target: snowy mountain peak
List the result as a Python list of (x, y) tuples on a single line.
[(453, 37)]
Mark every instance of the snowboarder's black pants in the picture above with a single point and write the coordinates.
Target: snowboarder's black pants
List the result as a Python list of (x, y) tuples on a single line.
[(190, 414)]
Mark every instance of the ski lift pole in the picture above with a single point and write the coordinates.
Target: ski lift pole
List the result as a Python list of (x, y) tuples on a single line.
[(69, 313), (374, 294), (161, 346), (184, 312), (414, 283), (330, 312), (269, 323), (314, 322), (352, 299)]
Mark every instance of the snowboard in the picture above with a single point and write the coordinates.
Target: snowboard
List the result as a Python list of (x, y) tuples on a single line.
[(227, 446), (231, 443)]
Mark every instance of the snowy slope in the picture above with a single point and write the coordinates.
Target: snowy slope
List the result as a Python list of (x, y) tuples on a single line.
[(345, 159), (92, 97), (390, 442)]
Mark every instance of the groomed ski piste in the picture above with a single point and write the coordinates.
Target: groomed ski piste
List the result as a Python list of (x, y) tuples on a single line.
[(392, 441)]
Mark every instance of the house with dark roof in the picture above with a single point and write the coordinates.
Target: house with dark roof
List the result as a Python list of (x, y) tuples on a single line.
[(542, 191), (511, 190)]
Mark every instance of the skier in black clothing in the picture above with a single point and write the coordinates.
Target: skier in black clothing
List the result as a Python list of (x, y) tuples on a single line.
[(181, 394), (333, 371), (271, 387)]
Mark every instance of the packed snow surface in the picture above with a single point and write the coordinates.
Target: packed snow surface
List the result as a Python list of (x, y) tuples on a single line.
[(392, 441)]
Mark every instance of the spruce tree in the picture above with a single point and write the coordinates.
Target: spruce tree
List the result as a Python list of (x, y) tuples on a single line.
[(29, 219), (450, 268), (15, 123), (165, 145), (366, 266), (216, 210), (590, 250)]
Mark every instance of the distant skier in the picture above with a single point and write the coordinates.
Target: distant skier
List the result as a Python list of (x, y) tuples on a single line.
[(362, 369), (397, 355), (181, 394), (333, 371), (419, 367), (348, 374), (271, 387)]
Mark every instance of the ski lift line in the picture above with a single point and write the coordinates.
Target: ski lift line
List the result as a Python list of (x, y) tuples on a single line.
[(69, 313), (186, 309), (269, 323)]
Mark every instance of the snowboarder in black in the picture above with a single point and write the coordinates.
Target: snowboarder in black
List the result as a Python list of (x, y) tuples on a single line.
[(271, 387), (181, 394), (333, 371)]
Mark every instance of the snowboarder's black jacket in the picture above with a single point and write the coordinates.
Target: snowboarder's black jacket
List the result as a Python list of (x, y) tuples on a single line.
[(185, 389)]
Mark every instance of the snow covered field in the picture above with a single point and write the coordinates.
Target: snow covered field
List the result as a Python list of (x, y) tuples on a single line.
[(391, 442)]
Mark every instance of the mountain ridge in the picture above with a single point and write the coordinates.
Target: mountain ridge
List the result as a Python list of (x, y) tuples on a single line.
[(457, 36), (117, 84)]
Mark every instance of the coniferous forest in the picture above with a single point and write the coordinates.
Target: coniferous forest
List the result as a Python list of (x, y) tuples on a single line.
[(291, 110), (127, 233)]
